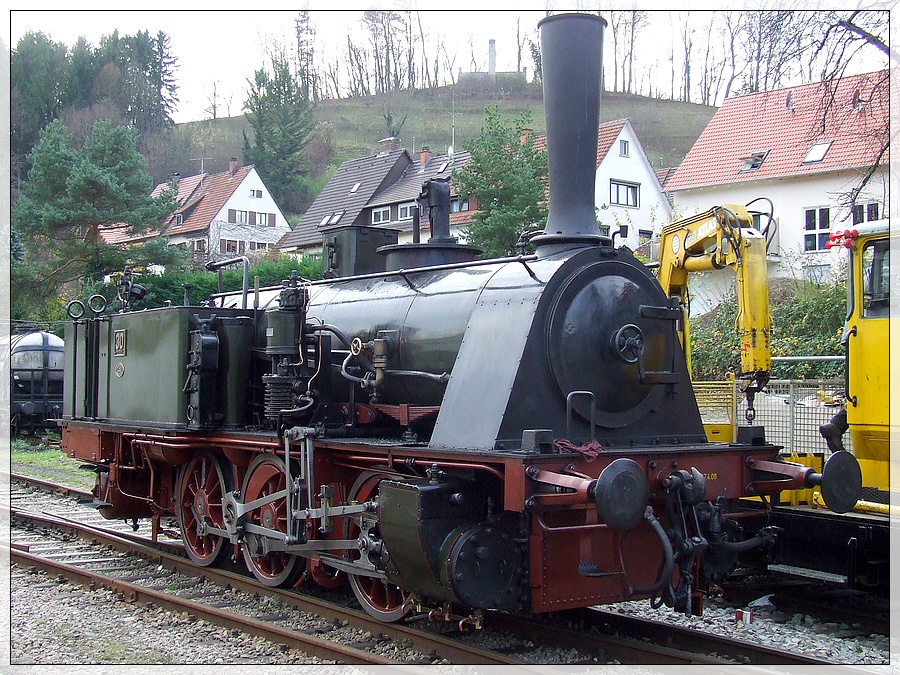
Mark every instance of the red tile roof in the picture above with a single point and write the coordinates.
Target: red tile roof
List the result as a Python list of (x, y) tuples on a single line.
[(663, 175), (199, 197), (786, 123)]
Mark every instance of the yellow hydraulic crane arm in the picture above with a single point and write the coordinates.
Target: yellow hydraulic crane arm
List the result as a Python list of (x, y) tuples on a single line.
[(724, 237)]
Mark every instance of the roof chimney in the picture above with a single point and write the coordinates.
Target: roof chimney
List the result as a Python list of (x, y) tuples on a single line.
[(389, 144), (233, 166), (424, 156)]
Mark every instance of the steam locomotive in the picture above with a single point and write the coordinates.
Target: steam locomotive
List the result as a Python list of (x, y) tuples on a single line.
[(447, 433)]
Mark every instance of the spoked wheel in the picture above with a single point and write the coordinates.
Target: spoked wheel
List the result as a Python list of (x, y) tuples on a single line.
[(266, 476), (381, 599), (202, 483)]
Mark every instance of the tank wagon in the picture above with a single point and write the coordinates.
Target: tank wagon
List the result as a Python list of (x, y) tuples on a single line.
[(36, 380), (450, 434)]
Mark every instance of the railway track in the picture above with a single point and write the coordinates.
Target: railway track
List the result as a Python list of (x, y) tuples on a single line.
[(161, 575)]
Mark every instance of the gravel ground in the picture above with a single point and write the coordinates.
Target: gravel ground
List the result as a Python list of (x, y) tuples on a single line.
[(54, 623), (841, 644)]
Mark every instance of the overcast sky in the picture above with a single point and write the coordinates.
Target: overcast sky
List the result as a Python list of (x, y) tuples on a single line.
[(227, 46)]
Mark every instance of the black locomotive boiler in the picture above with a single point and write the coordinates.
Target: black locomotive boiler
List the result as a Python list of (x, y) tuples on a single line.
[(447, 433)]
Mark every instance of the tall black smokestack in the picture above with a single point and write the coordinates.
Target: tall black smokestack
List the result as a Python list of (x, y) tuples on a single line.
[(571, 61)]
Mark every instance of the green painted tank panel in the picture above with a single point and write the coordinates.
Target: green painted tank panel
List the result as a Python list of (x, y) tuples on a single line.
[(143, 360)]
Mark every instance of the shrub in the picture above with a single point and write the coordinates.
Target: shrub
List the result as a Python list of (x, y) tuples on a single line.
[(807, 320)]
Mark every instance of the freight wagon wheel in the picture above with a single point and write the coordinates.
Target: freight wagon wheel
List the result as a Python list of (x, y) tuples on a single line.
[(266, 476), (202, 483), (381, 599)]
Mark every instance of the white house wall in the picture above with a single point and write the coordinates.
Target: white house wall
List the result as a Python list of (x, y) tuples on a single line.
[(653, 210), (790, 197), (241, 200)]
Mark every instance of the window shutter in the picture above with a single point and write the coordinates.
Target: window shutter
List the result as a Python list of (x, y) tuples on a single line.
[(271, 220), (221, 246), (241, 245), (253, 217), (232, 216)]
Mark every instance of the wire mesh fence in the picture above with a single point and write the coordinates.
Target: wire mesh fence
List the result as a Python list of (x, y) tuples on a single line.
[(790, 411)]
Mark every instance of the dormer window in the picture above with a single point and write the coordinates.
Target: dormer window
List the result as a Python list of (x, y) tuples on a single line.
[(817, 152), (754, 161), (179, 219), (355, 188), (443, 167), (325, 219)]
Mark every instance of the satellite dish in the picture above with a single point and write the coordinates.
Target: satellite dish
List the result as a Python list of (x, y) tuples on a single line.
[(450, 152)]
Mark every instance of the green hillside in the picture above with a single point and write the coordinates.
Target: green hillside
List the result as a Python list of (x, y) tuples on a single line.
[(350, 128)]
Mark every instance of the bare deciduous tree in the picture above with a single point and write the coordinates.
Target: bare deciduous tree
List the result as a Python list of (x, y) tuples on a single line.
[(840, 39)]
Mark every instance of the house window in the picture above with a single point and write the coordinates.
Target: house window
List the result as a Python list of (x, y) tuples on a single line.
[(817, 153), (325, 218), (863, 213), (259, 246), (816, 229), (754, 161), (604, 230), (335, 217), (457, 205), (644, 236), (382, 215), (623, 232), (406, 211), (241, 217), (623, 194), (228, 246), (355, 187), (623, 148), (260, 218), (198, 245), (179, 219)]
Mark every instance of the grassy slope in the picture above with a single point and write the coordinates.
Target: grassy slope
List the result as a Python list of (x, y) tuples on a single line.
[(666, 129)]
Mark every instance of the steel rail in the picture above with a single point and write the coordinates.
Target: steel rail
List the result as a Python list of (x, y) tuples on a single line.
[(133, 593), (446, 648)]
